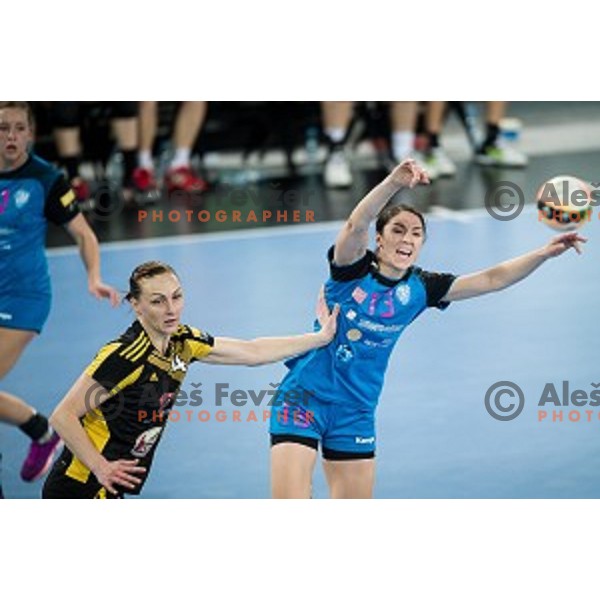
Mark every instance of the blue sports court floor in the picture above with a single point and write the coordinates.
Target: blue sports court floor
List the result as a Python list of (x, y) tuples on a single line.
[(435, 436)]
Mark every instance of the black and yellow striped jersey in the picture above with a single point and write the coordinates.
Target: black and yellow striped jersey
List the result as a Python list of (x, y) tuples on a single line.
[(142, 384)]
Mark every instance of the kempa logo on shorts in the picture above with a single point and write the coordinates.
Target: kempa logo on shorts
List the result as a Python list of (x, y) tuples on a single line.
[(362, 440)]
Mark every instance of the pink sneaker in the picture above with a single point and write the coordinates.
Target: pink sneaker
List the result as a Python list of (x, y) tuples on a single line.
[(40, 458)]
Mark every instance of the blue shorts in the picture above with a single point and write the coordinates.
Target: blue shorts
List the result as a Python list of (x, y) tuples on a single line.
[(345, 431), (28, 313)]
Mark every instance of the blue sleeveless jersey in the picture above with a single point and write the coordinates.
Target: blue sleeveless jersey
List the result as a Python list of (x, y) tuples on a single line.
[(374, 311), (30, 196)]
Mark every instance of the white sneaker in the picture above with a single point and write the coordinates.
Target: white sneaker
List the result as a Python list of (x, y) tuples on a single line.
[(425, 162), (443, 165), (501, 155), (337, 172)]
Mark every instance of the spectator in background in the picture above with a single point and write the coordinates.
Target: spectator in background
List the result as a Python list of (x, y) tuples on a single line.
[(180, 175), (66, 119), (336, 118), (492, 151)]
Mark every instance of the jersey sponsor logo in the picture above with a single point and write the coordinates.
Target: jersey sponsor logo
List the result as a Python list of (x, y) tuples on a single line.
[(361, 440), (344, 354), (145, 442), (351, 315), (378, 327), (385, 343), (22, 198), (359, 294), (177, 364), (403, 294), (354, 335)]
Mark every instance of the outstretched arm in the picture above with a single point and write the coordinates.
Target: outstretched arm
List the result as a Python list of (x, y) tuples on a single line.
[(353, 240), (82, 233), (86, 395), (510, 272), (260, 351)]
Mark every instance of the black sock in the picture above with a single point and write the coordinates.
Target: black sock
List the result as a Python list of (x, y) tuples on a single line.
[(71, 164), (129, 165), (491, 135), (334, 146), (434, 141), (36, 427)]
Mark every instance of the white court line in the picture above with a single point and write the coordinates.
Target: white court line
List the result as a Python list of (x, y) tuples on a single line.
[(466, 216), (192, 238)]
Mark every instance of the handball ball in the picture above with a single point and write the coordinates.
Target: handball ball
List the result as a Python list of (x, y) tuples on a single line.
[(564, 203)]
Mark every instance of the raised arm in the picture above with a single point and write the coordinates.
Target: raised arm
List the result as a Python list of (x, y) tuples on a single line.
[(353, 240), (86, 395), (82, 233), (512, 271), (260, 351)]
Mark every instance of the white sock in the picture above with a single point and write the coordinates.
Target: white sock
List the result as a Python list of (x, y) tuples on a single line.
[(145, 160), (403, 143), (46, 437), (336, 134), (181, 158)]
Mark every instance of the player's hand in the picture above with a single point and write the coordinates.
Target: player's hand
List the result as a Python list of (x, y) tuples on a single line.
[(409, 174), (100, 290), (119, 472), (561, 243)]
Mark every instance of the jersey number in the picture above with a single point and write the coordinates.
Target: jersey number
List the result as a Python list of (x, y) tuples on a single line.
[(388, 302)]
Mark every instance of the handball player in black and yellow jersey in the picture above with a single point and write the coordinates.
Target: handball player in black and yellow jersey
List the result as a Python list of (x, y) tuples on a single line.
[(113, 417)]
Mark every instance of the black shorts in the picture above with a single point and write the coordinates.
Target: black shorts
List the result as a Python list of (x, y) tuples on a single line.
[(58, 485), (328, 453)]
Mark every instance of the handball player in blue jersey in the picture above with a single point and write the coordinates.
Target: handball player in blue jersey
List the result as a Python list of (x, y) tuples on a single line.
[(330, 395), (32, 193)]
